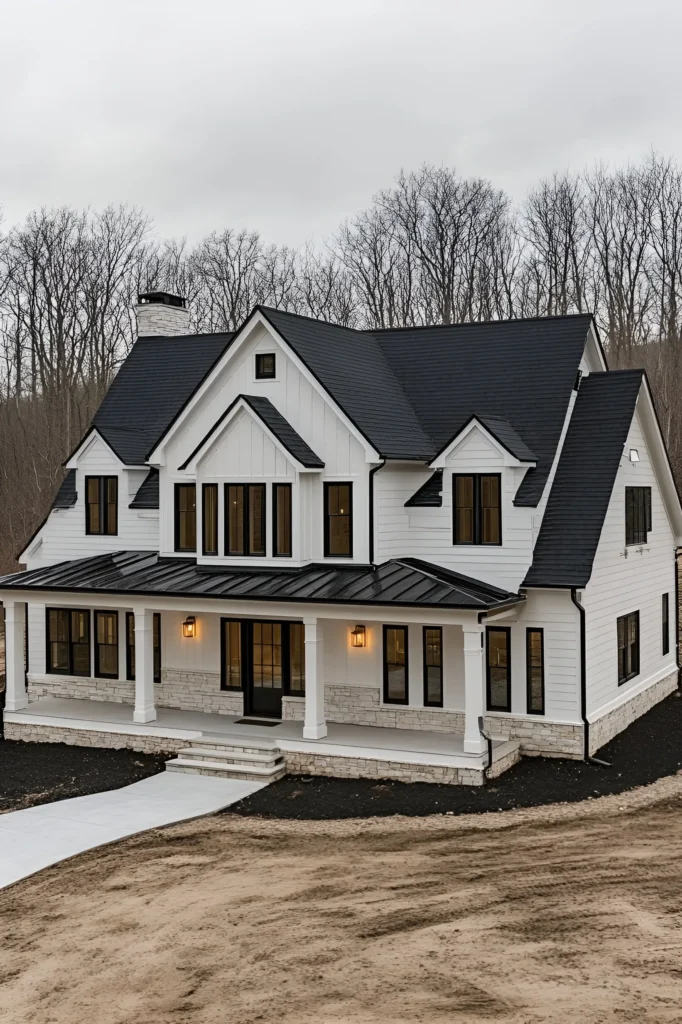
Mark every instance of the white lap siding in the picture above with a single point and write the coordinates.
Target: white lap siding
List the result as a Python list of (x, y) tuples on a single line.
[(621, 584)]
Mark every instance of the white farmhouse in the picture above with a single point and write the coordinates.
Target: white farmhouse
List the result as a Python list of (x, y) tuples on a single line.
[(412, 554)]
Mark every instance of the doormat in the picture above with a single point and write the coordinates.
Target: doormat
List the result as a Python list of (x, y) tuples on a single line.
[(258, 721)]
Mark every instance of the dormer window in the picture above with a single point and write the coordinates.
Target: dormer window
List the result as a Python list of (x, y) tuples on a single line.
[(266, 366), (477, 511), (101, 505)]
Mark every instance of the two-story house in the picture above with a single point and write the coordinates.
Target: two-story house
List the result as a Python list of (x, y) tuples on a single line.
[(413, 553)]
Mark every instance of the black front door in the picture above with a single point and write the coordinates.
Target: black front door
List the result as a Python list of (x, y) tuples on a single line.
[(265, 678)]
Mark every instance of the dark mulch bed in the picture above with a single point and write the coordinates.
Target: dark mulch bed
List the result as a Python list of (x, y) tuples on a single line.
[(648, 750), (37, 773)]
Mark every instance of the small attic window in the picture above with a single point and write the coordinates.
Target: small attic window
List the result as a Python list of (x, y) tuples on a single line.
[(265, 365)]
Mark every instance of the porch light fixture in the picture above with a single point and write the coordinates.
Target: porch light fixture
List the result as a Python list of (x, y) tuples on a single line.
[(189, 627), (358, 637)]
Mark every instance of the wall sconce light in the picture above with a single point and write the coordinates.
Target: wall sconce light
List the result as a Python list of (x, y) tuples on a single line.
[(189, 626), (358, 637)]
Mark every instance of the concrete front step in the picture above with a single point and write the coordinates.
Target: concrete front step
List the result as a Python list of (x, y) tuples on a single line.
[(201, 753), (228, 743), (226, 769)]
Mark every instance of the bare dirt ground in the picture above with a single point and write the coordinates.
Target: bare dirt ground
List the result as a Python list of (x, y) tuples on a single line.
[(558, 914)]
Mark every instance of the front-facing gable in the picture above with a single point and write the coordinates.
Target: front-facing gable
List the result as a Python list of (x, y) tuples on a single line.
[(490, 436)]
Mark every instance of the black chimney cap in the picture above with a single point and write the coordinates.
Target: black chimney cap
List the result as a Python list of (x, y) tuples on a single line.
[(161, 299)]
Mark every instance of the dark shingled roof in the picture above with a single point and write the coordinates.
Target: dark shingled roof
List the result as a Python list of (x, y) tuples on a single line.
[(430, 494), (503, 432), (408, 582), (66, 496), (148, 492), (151, 387), (276, 423), (582, 487)]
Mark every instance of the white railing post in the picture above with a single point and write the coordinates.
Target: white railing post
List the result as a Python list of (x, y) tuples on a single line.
[(474, 689), (16, 697), (145, 710), (314, 724)]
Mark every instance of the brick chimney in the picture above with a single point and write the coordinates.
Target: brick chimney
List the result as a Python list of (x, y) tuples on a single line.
[(161, 314)]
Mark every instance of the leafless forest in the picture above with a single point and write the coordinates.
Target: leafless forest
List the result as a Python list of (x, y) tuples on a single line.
[(433, 248)]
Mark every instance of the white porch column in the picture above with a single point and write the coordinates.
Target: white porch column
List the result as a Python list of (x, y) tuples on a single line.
[(145, 711), (314, 724), (15, 618), (474, 689)]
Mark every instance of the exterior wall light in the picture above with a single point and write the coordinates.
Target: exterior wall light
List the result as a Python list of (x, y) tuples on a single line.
[(358, 637), (189, 627)]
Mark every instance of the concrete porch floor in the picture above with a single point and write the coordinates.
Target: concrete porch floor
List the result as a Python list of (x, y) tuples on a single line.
[(405, 745)]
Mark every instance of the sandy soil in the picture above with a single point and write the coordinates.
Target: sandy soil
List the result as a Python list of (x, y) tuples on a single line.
[(563, 914)]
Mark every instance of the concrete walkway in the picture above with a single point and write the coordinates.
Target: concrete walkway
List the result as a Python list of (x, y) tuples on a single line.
[(39, 836)]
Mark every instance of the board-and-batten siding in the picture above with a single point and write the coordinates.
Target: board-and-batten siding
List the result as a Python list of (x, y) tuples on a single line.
[(63, 535), (427, 532), (619, 585)]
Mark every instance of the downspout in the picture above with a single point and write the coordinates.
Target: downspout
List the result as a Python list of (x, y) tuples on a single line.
[(678, 551), (583, 685), (371, 509)]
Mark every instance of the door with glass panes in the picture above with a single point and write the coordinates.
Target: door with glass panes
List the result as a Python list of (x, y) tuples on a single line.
[(265, 659)]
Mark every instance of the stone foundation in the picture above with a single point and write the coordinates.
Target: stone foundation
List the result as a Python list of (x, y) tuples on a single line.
[(30, 733), (119, 691), (367, 768), (609, 725)]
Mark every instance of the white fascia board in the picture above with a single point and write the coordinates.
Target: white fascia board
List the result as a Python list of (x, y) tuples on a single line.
[(594, 353), (87, 443), (220, 428), (241, 338), (658, 454), (474, 423)]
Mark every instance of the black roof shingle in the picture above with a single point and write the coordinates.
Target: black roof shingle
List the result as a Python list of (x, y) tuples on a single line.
[(148, 492)]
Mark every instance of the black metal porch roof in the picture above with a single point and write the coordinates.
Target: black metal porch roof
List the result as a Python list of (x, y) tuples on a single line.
[(407, 582)]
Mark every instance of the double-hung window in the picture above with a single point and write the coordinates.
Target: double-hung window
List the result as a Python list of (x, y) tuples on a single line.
[(68, 641), (185, 517), (101, 505), (338, 520), (209, 519), (433, 667), (395, 665), (535, 672), (106, 644), (245, 519), (281, 520), (130, 646), (498, 667), (637, 514), (477, 511), (628, 647)]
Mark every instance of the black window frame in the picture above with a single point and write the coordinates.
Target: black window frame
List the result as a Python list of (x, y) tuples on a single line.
[(477, 509), (176, 506), (48, 659), (261, 374), (636, 646), (275, 524), (98, 673), (429, 703), (245, 641), (102, 504), (488, 632), (665, 624), (327, 517), (204, 549), (384, 662), (246, 489), (637, 515), (529, 689), (156, 625)]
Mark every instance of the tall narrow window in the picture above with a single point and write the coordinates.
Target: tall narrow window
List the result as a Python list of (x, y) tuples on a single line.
[(209, 517), (245, 519), (185, 517), (338, 520), (665, 624), (68, 641), (106, 644), (535, 672), (628, 647), (477, 510), (231, 655), (101, 505), (281, 520), (130, 646), (498, 668), (395, 665), (433, 666), (296, 659), (637, 514)]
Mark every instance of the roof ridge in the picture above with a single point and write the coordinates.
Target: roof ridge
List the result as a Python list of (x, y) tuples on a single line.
[(476, 323)]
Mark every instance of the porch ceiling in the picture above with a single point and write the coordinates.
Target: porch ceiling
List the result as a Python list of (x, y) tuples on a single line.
[(407, 582)]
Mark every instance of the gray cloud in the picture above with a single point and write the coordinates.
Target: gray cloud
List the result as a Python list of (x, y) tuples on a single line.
[(286, 115)]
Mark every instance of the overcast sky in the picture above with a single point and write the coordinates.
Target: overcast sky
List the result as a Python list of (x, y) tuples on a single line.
[(286, 115)]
